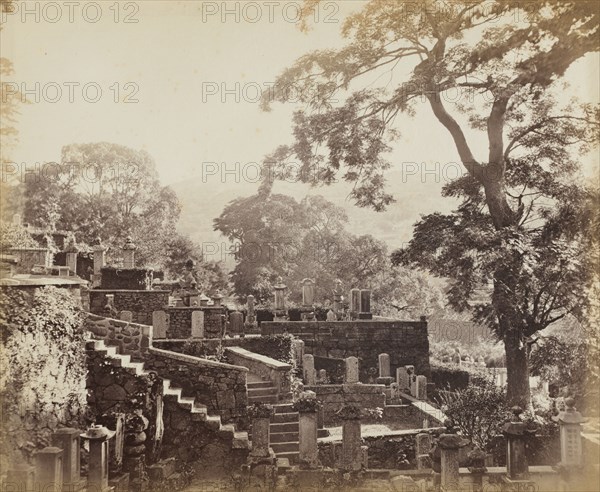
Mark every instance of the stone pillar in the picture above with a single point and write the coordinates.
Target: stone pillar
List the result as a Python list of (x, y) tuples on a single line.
[(365, 304), (21, 477), (160, 324), (250, 315), (354, 303), (298, 350), (384, 370), (570, 420), (308, 436), (351, 376), (236, 323), (99, 262), (98, 437), (338, 297), (422, 450), (280, 289), (308, 292), (421, 388), (308, 370), (72, 261), (67, 439), (48, 468), (477, 468), (516, 458), (128, 253), (261, 421), (449, 445), (352, 455), (403, 379), (198, 324)]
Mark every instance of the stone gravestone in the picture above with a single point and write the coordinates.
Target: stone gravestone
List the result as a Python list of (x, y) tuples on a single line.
[(351, 370), (308, 370), (236, 323), (394, 392), (384, 370), (421, 388), (298, 350), (354, 302), (403, 378), (126, 316), (308, 292), (160, 323), (198, 324), (331, 316)]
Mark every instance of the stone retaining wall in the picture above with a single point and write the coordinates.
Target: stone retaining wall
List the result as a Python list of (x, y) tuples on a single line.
[(180, 321), (334, 396), (269, 369), (221, 387), (405, 341), (141, 303), (131, 338)]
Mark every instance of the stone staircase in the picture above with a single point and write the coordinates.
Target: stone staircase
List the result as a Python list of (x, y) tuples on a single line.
[(284, 425), (198, 411)]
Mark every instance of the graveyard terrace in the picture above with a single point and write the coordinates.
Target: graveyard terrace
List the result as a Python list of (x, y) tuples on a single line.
[(406, 341)]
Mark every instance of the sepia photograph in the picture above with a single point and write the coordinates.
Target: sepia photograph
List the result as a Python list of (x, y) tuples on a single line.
[(300, 245)]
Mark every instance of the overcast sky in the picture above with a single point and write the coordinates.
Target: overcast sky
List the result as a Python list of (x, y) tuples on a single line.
[(172, 66)]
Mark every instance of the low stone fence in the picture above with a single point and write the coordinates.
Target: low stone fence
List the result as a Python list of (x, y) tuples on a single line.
[(221, 387), (141, 303), (131, 338), (394, 450), (334, 396), (269, 369)]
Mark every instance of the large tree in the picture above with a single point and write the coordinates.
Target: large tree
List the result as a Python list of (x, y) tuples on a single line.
[(518, 196)]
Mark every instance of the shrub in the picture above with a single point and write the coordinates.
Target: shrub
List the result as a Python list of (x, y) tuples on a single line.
[(479, 411)]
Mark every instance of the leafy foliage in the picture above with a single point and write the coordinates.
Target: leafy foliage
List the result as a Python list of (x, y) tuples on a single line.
[(479, 411), (43, 368), (517, 249), (15, 236)]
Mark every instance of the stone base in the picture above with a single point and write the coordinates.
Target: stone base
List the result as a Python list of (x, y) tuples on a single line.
[(120, 482), (261, 466), (161, 470), (77, 486), (365, 316), (387, 381)]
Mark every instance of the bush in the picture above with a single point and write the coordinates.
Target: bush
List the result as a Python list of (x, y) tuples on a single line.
[(479, 411)]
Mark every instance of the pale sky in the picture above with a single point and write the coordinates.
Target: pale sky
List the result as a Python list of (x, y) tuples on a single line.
[(166, 62)]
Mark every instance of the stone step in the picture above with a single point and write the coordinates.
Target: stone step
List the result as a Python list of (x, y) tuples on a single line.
[(281, 418), (260, 384), (285, 447), (240, 440), (322, 433), (266, 391), (263, 399), (278, 437), (291, 426), (292, 456), (284, 408), (283, 465)]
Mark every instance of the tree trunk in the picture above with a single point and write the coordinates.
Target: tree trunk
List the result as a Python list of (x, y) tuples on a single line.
[(517, 366)]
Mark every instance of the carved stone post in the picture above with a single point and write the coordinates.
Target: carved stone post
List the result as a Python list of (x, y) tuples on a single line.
[(307, 406), (365, 305), (128, 253), (354, 303), (516, 433), (352, 454), (48, 468), (67, 439), (477, 468), (261, 421), (98, 437), (338, 297), (280, 289)]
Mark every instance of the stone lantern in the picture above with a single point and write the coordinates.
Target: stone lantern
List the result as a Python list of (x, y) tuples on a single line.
[(517, 433), (98, 437)]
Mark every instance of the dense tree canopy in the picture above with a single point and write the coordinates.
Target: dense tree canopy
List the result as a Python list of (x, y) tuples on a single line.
[(274, 235), (519, 242)]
